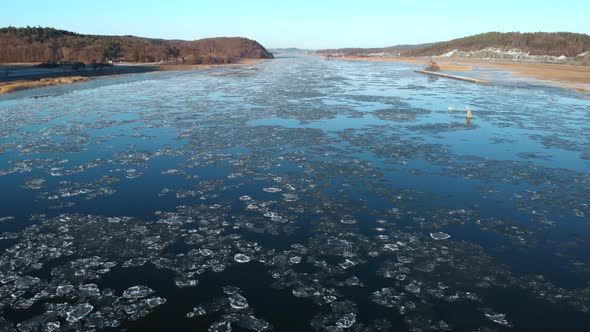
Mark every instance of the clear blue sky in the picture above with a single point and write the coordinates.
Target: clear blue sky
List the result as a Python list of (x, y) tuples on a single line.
[(302, 23)]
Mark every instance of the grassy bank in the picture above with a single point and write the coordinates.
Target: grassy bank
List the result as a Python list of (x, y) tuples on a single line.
[(22, 85)]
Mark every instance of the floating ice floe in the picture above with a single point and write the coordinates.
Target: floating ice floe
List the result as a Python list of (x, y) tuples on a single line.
[(238, 302), (295, 259), (78, 312), (137, 292), (241, 258), (346, 321), (197, 312), (348, 219), (439, 236), (497, 318)]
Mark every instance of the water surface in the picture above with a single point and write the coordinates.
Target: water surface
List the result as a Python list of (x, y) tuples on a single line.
[(298, 194)]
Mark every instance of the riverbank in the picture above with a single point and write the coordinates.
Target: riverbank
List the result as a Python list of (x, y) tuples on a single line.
[(16, 77), (565, 76), (24, 85)]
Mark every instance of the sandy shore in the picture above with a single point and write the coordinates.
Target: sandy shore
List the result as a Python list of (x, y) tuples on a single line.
[(565, 76), (27, 76)]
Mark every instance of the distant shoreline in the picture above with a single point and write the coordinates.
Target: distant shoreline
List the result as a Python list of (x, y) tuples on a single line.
[(570, 77), (23, 76)]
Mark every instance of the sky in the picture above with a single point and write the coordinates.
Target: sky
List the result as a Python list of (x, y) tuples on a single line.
[(312, 24)]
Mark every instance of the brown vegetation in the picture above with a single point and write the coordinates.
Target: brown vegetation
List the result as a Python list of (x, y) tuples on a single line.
[(22, 85), (32, 44)]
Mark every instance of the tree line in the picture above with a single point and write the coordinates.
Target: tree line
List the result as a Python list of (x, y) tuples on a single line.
[(38, 44)]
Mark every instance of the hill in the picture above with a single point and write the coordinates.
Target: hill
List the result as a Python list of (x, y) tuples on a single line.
[(491, 44), (537, 43), (37, 44), (290, 50)]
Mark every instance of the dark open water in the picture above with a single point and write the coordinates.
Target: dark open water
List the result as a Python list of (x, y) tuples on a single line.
[(295, 195)]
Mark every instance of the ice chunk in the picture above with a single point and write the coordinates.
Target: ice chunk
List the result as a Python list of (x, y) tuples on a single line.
[(89, 290), (353, 281), (241, 258), (295, 259), (230, 290), (171, 172), (51, 326), (79, 312), (347, 219), (64, 289), (197, 312), (300, 292), (238, 302), (220, 327), (439, 236), (155, 301), (26, 282), (346, 321), (252, 323), (185, 282), (347, 264), (413, 288), (498, 318), (6, 219), (390, 247), (206, 252), (137, 292)]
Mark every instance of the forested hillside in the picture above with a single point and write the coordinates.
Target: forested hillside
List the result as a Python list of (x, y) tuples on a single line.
[(398, 49), (537, 43), (37, 44)]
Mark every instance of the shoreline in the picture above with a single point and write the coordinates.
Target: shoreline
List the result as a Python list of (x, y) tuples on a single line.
[(571, 77), (43, 78)]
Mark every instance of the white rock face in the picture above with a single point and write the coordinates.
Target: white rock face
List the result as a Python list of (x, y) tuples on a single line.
[(507, 54)]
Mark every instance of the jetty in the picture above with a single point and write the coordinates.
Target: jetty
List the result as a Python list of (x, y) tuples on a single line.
[(455, 77)]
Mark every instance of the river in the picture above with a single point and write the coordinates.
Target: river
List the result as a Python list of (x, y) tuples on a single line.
[(298, 194)]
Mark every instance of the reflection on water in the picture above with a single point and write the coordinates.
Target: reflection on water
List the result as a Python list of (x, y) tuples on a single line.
[(294, 195)]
